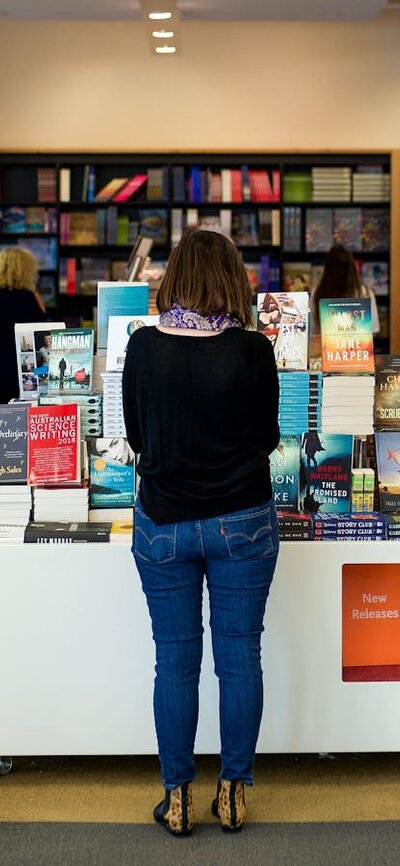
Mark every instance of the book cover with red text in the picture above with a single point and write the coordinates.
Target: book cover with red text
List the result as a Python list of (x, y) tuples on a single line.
[(346, 335), (54, 444)]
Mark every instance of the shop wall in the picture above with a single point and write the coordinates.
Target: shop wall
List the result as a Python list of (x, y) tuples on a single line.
[(234, 86)]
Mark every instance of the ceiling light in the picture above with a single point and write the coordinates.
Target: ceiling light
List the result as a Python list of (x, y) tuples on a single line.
[(160, 16), (165, 49), (163, 34)]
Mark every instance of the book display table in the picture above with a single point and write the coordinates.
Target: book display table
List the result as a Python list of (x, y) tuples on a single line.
[(77, 656)]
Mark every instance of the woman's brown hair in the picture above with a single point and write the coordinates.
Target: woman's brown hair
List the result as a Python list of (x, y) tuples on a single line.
[(339, 280), (206, 273)]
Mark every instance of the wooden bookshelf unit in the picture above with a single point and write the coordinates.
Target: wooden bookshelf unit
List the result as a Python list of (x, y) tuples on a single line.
[(284, 211)]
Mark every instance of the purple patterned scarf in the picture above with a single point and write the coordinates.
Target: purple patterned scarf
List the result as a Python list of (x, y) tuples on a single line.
[(178, 317)]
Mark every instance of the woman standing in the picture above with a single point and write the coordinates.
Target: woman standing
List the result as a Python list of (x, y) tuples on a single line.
[(19, 302), (201, 408)]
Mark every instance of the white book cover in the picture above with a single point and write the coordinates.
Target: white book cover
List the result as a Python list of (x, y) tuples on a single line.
[(283, 318), (120, 329), (32, 344)]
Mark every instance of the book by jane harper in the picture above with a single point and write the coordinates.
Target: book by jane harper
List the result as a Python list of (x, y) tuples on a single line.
[(54, 444), (71, 361), (346, 335), (283, 318), (326, 472)]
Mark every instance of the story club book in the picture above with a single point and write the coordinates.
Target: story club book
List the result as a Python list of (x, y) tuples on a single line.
[(283, 318), (54, 445), (13, 444), (346, 335), (325, 474), (387, 392), (71, 361)]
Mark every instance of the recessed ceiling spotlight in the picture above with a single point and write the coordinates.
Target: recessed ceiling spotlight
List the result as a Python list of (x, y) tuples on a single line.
[(165, 49), (160, 16), (163, 34)]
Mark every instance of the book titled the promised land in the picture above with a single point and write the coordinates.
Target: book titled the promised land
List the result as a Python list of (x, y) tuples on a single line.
[(346, 335), (71, 361)]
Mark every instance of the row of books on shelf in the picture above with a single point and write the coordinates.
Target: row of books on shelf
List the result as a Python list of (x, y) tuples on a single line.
[(18, 220), (358, 229), (45, 250), (320, 183), (105, 226), (304, 276), (153, 182), (200, 185)]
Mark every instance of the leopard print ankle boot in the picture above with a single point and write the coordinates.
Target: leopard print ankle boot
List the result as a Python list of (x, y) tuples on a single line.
[(175, 812), (229, 805)]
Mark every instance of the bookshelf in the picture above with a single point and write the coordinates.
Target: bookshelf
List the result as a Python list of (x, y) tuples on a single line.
[(283, 210)]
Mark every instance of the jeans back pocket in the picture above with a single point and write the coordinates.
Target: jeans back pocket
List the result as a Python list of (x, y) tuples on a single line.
[(249, 536), (153, 543)]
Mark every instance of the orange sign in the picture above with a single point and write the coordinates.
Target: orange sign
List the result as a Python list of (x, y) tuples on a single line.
[(371, 615)]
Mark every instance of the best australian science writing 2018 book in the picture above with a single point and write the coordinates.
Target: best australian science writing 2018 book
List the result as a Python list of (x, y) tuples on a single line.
[(283, 318), (325, 472), (346, 335), (285, 473), (71, 361), (112, 473)]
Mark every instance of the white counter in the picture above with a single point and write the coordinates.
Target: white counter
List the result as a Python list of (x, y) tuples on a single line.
[(77, 656)]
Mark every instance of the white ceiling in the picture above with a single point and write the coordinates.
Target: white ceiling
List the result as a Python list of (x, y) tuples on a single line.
[(195, 10)]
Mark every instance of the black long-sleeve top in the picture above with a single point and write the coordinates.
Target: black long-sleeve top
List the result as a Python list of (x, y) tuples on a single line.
[(19, 305), (203, 414)]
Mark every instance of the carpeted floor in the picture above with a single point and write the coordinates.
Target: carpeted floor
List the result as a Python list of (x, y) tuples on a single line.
[(295, 844), (342, 810)]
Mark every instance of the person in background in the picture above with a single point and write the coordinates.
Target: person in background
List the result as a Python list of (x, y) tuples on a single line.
[(339, 280), (201, 407), (19, 302)]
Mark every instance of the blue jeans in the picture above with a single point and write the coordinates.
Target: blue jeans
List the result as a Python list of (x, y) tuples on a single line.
[(237, 553)]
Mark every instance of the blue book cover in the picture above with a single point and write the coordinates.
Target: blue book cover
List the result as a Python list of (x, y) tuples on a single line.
[(111, 473), (285, 473), (119, 299), (13, 444), (326, 472), (387, 448)]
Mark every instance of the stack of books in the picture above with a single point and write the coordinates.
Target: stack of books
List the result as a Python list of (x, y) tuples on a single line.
[(347, 404), (371, 186), (297, 186), (331, 184), (349, 527), (295, 526), (61, 504), (90, 407), (113, 413), (299, 401), (392, 522), (15, 512)]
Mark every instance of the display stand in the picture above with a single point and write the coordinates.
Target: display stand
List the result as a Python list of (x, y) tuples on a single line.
[(78, 659)]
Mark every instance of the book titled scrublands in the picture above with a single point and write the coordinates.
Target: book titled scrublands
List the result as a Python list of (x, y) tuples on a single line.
[(71, 361), (387, 392), (54, 444), (283, 318), (346, 335)]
